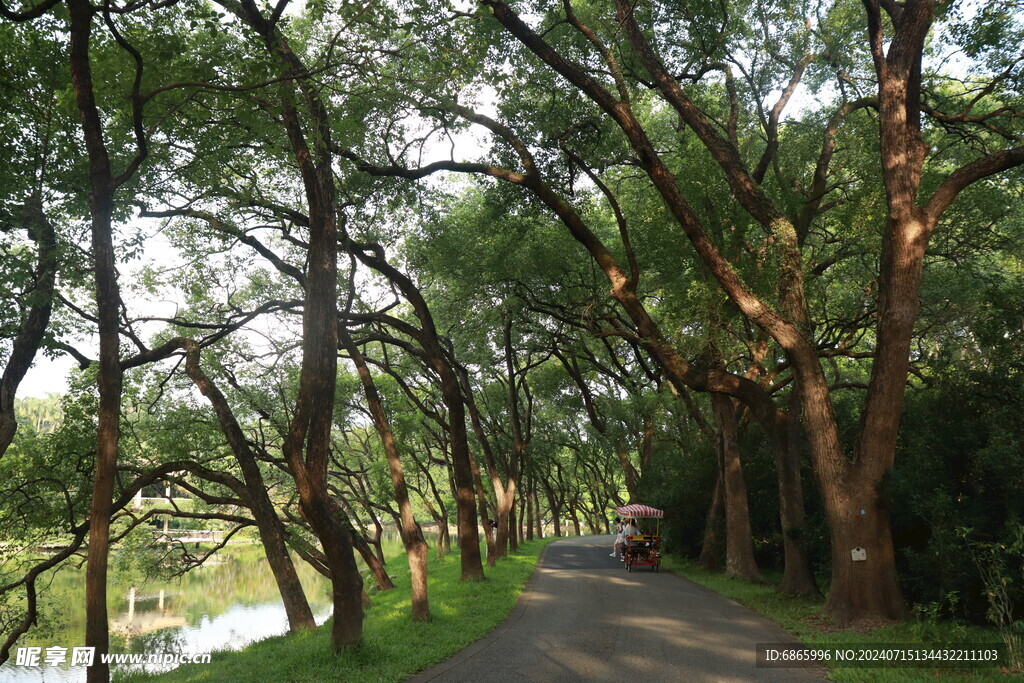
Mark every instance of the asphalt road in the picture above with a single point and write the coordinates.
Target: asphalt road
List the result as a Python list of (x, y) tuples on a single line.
[(582, 617)]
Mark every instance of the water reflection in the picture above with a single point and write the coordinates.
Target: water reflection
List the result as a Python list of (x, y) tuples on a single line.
[(224, 606)]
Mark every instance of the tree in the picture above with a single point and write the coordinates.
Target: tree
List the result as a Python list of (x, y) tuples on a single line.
[(637, 73)]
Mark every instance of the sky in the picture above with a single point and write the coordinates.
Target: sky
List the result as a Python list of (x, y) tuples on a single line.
[(46, 377)]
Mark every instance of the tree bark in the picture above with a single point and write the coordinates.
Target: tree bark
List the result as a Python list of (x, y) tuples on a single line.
[(372, 255), (739, 554), (797, 576), (33, 327), (306, 446), (272, 533), (108, 303), (711, 548), (412, 536), (528, 502)]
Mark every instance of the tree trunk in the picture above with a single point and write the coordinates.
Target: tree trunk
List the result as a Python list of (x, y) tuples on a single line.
[(462, 470), (373, 562), (306, 446), (513, 527), (555, 511), (346, 583), (489, 533), (538, 518), (411, 534), (739, 554), (575, 520), (868, 590), (108, 303), (853, 595), (528, 502), (272, 535), (797, 577), (711, 548), (33, 327)]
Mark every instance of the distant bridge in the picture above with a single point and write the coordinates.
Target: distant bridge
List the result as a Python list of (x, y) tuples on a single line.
[(189, 536)]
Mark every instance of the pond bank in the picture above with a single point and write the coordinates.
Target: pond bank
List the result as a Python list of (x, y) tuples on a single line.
[(393, 646)]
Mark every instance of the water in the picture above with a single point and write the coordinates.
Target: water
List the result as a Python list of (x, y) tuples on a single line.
[(224, 605)]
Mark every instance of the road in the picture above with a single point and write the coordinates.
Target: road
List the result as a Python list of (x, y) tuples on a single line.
[(582, 617)]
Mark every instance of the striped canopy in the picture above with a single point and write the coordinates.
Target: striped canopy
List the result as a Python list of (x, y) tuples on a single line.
[(638, 511)]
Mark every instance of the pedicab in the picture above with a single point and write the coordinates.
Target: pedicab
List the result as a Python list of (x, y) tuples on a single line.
[(643, 549)]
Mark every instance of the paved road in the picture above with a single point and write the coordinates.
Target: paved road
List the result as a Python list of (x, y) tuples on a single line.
[(582, 617)]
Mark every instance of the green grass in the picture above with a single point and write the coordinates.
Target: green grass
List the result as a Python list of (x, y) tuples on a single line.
[(393, 646), (799, 617)]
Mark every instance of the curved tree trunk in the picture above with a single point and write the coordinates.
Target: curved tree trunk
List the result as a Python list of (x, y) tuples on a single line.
[(412, 535), (490, 536), (307, 444), (272, 534), (372, 255), (365, 550), (33, 327)]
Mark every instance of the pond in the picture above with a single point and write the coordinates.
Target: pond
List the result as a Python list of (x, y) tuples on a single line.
[(228, 603)]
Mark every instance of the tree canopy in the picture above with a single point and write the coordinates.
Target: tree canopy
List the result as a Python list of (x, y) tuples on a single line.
[(356, 263)]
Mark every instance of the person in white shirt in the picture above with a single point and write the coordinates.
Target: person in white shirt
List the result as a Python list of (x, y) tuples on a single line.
[(620, 538)]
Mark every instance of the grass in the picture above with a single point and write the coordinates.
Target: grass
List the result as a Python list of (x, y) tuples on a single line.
[(393, 647), (799, 617)]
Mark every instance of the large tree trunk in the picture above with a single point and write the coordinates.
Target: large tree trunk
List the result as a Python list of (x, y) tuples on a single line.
[(469, 535), (307, 444), (739, 542), (346, 583), (108, 303), (868, 588)]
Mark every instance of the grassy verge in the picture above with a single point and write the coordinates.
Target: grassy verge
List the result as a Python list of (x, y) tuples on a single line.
[(394, 647), (799, 617)]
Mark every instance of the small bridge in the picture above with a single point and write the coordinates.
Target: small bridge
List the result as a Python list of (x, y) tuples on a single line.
[(189, 536)]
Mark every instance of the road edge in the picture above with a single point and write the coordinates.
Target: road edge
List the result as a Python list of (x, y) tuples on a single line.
[(481, 644)]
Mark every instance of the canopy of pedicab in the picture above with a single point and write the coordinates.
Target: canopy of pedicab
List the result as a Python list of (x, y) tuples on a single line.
[(639, 511)]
